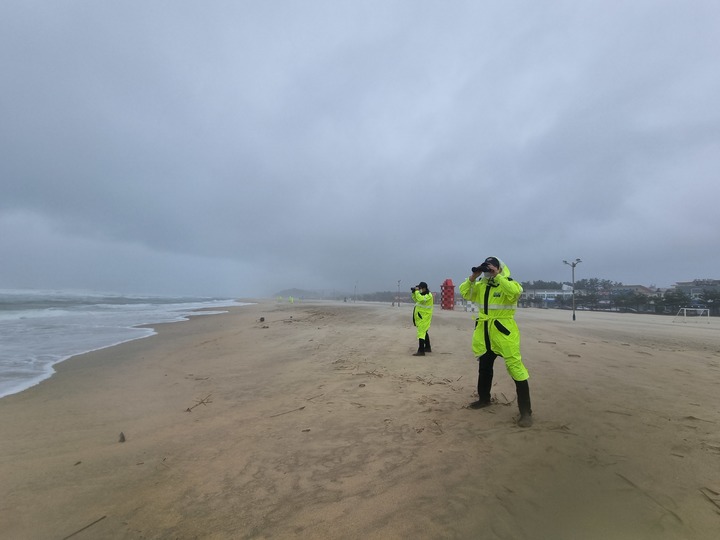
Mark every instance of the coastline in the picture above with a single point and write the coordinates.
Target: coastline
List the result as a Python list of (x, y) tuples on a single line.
[(40, 329), (318, 423)]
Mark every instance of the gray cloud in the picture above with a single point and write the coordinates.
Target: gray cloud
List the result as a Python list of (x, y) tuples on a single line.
[(244, 147)]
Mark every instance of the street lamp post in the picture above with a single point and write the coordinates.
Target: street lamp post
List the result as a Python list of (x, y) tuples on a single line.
[(573, 265)]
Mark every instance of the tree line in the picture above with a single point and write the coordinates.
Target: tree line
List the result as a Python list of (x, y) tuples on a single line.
[(598, 294)]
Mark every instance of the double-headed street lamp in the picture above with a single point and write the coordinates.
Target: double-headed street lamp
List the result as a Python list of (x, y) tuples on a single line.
[(573, 265)]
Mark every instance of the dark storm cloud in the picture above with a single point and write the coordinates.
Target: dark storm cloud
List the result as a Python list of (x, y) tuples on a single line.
[(245, 147)]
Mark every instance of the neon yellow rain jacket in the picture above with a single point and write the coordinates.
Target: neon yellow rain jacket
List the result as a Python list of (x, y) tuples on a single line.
[(422, 314), (496, 328)]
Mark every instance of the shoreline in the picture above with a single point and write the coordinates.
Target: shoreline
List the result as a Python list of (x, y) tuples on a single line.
[(318, 423), (123, 333)]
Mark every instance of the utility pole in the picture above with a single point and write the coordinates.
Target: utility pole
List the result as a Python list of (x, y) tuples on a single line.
[(573, 265)]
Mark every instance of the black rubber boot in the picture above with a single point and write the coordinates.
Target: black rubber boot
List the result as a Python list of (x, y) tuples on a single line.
[(485, 376), (427, 343), (485, 379), (523, 397), (421, 348), (479, 404)]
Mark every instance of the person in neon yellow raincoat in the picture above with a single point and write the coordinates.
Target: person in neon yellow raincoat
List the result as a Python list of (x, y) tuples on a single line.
[(422, 316), (496, 332)]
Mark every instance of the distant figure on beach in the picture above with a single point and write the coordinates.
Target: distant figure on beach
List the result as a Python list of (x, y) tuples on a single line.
[(422, 316), (496, 332)]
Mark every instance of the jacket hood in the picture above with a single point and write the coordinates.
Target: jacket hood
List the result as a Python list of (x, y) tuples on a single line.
[(504, 270)]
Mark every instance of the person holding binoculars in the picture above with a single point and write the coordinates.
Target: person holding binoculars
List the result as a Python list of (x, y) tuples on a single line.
[(422, 315), (496, 332)]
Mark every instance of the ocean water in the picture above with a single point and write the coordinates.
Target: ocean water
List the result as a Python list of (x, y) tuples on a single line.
[(38, 329)]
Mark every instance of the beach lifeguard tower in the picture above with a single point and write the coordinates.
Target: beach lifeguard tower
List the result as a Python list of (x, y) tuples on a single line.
[(447, 295)]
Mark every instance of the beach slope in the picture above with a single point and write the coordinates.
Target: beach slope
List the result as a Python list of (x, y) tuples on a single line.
[(314, 420)]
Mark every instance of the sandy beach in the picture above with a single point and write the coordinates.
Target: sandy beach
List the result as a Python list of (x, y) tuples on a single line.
[(317, 422)]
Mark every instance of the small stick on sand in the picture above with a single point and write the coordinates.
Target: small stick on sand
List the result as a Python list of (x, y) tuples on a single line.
[(85, 527), (287, 412), (203, 401)]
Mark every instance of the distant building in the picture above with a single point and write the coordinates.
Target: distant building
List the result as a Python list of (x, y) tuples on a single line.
[(546, 295), (630, 289), (695, 288)]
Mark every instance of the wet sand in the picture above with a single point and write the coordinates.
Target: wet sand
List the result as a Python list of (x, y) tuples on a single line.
[(319, 423)]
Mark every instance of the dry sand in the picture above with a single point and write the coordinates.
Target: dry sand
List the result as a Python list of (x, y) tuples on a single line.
[(318, 423)]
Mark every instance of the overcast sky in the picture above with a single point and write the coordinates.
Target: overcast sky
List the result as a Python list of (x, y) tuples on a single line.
[(244, 147)]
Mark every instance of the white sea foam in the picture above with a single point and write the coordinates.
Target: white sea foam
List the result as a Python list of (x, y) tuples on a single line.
[(38, 329)]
